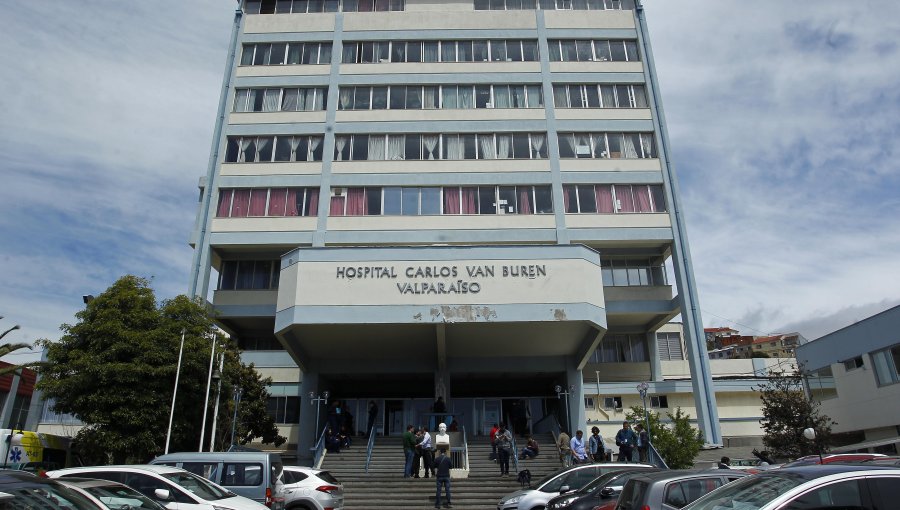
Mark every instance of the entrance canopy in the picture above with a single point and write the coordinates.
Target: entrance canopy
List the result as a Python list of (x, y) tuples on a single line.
[(415, 309)]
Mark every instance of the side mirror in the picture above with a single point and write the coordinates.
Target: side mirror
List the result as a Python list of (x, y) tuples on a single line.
[(162, 494), (607, 492), (564, 488)]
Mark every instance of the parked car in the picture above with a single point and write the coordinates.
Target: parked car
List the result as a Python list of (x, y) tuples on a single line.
[(254, 475), (171, 487), (671, 490), (111, 495), (559, 482), (311, 489), (833, 486), (886, 461), (20, 490), (829, 458), (602, 492)]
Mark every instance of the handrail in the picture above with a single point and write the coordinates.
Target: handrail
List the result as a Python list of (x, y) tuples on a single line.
[(653, 457), (466, 446), (514, 453), (370, 446), (319, 450)]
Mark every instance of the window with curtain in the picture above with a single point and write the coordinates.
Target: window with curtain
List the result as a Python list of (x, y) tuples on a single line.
[(601, 50), (270, 202), (618, 145), (265, 149), (286, 53), (248, 275)]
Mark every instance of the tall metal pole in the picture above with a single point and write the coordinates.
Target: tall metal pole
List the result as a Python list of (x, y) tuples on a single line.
[(175, 392), (212, 359), (237, 403), (212, 432)]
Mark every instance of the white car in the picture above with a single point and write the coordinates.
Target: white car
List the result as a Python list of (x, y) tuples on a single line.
[(559, 482), (173, 488), (311, 489), (111, 495)]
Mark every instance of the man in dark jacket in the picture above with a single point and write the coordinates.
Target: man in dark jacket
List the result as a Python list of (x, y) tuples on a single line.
[(626, 440), (409, 451), (442, 465)]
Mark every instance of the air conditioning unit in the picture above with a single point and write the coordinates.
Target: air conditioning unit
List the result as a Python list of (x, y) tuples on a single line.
[(337, 192), (583, 150)]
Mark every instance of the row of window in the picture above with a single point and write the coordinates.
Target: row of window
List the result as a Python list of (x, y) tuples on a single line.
[(306, 6), (597, 50), (450, 200), (249, 275), (271, 202), (631, 272), (579, 5), (265, 149), (481, 50), (607, 145), (277, 54), (599, 96), (418, 97), (887, 365), (443, 146), (613, 199), (280, 100), (429, 97)]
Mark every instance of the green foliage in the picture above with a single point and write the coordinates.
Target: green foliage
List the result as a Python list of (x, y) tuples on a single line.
[(115, 368), (677, 441), (786, 413)]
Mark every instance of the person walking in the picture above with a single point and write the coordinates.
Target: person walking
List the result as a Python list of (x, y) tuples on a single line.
[(442, 477), (373, 413), (626, 439), (494, 430), (409, 451), (563, 444), (643, 443), (504, 448), (579, 455), (596, 448)]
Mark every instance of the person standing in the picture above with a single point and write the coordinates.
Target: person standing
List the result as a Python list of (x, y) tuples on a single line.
[(643, 443), (417, 457), (494, 430), (504, 448), (625, 440), (579, 455), (724, 463), (373, 413), (409, 451), (427, 452), (442, 477), (565, 449), (596, 448)]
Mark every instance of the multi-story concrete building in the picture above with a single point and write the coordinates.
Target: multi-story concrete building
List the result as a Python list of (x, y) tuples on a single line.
[(471, 199)]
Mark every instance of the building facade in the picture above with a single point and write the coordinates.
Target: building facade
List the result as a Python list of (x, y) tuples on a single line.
[(466, 199)]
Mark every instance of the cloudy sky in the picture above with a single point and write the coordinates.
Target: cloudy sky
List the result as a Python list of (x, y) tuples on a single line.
[(783, 117)]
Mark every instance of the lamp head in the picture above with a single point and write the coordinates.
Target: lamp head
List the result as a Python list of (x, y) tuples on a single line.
[(809, 433), (326, 394), (557, 388)]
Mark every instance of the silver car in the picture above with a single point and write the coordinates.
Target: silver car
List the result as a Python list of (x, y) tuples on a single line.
[(672, 490), (311, 489), (559, 482)]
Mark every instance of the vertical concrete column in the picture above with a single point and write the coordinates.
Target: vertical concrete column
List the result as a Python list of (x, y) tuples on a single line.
[(655, 363), (307, 433), (576, 398)]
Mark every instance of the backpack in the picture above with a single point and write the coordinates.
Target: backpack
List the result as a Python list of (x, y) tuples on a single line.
[(524, 478)]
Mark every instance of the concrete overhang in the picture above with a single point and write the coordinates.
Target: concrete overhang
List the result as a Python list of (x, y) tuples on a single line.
[(346, 306)]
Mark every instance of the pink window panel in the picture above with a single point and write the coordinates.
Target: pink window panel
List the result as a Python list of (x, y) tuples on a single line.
[(337, 206), (470, 200), (277, 202), (258, 202), (525, 200), (356, 201), (604, 199), (240, 204), (626, 201), (224, 208), (312, 199), (451, 201), (642, 199)]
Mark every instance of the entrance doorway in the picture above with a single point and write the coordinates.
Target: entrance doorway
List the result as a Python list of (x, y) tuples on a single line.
[(393, 418)]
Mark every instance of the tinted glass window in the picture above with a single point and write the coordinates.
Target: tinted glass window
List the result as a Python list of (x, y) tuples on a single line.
[(326, 476), (844, 494), (632, 495), (147, 485), (207, 470), (885, 490), (240, 474)]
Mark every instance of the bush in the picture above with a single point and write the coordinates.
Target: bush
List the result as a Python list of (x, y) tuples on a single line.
[(677, 441)]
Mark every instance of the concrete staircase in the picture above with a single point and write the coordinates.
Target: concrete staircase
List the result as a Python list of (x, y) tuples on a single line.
[(384, 487)]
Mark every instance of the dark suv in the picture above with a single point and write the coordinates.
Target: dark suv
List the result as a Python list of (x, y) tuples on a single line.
[(671, 490)]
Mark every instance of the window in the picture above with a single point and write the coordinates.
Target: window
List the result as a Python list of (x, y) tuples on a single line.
[(886, 362), (612, 402), (679, 494), (613, 198), (452, 200), (378, 147), (853, 363), (267, 149), (317, 6), (249, 275), (669, 346), (600, 50), (271, 202), (844, 494), (267, 54), (588, 402), (242, 474), (621, 349), (633, 272), (284, 409), (499, 50), (430, 97), (599, 96), (659, 401), (259, 343), (291, 476), (607, 145), (583, 5), (279, 100)]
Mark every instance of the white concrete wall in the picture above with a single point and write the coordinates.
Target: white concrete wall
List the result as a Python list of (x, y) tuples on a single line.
[(860, 403)]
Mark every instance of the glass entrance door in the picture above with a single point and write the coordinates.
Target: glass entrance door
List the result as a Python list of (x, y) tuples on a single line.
[(490, 414)]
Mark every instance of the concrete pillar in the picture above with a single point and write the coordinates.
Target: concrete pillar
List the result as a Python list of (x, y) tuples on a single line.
[(307, 432), (655, 364), (576, 399)]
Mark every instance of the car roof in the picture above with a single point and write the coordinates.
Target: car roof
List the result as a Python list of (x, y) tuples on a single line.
[(152, 468), (15, 479), (88, 482), (819, 470), (680, 474), (217, 455)]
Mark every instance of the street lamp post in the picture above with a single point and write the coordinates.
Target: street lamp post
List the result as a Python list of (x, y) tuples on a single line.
[(318, 399), (237, 403), (810, 433), (174, 392), (560, 392), (212, 433), (642, 389), (209, 378)]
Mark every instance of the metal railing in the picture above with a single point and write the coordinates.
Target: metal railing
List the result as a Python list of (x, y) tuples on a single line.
[(459, 455), (514, 453), (319, 450), (369, 447), (653, 457)]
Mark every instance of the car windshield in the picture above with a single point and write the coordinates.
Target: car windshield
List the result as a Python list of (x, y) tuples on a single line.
[(121, 497), (45, 497), (749, 493), (603, 481), (199, 487)]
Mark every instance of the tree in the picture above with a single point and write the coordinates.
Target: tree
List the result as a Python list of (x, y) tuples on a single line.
[(677, 441), (786, 413), (115, 370), (9, 348)]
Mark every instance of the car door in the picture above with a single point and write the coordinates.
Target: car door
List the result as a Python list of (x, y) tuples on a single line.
[(884, 490), (842, 495), (147, 485)]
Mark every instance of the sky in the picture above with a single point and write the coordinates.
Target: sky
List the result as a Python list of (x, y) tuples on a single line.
[(783, 120)]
